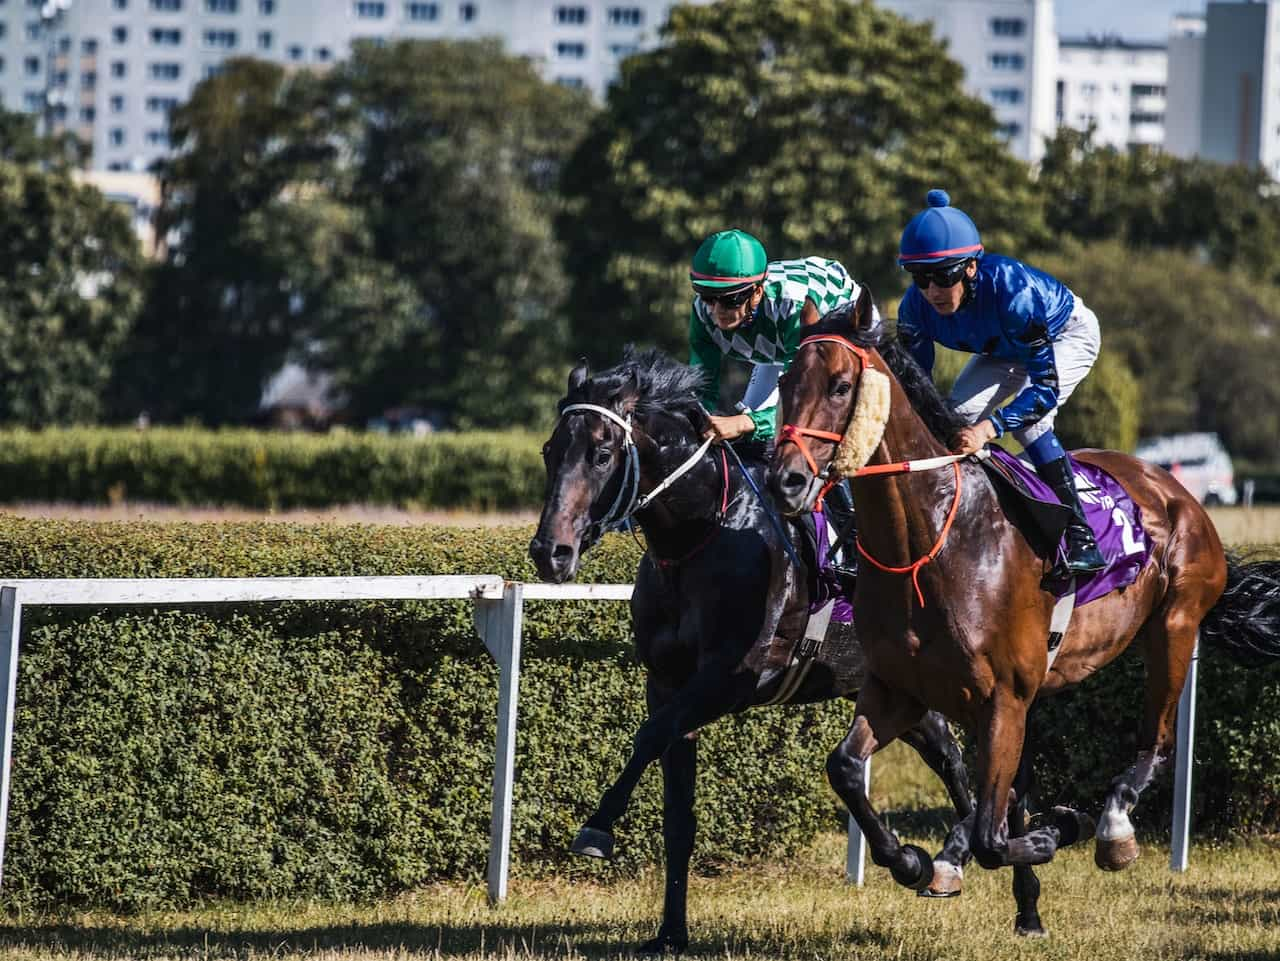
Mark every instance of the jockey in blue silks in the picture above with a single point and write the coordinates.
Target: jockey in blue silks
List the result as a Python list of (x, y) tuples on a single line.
[(1034, 339)]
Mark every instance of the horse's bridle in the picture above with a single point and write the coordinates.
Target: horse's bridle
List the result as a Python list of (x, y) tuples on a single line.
[(624, 505)]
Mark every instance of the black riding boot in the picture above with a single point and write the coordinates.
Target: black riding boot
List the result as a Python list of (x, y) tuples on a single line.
[(1083, 556), (838, 508)]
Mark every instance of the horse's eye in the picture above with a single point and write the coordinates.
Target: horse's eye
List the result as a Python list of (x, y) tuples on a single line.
[(603, 456), (842, 387), (546, 450)]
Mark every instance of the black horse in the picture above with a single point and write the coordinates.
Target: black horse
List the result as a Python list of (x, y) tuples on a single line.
[(720, 605)]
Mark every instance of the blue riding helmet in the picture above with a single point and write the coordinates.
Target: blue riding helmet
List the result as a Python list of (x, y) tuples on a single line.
[(939, 234)]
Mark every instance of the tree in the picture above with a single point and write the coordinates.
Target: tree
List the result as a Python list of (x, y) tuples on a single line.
[(455, 151), (221, 316), (70, 288), (818, 125), (1227, 215), (1204, 344)]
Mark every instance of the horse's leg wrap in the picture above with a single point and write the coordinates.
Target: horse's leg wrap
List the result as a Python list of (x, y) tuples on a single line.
[(1117, 847)]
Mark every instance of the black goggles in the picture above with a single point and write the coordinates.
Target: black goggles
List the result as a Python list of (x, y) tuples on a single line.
[(947, 276), (730, 301)]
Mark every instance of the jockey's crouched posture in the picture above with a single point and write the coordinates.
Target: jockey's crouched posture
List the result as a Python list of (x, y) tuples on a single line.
[(1032, 336), (754, 311)]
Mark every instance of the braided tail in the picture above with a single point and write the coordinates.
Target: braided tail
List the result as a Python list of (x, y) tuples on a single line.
[(1245, 623)]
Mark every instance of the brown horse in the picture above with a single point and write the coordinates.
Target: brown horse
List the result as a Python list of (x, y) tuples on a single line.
[(951, 612)]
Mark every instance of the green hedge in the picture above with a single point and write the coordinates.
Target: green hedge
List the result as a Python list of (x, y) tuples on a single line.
[(341, 750), (346, 750), (272, 470)]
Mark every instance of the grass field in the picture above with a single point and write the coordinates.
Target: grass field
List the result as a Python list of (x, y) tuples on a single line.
[(1226, 907)]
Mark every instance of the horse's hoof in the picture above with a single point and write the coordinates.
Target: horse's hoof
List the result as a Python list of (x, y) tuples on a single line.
[(1116, 854), (947, 881), (1072, 826), (663, 944), (924, 876), (593, 843), (1024, 931)]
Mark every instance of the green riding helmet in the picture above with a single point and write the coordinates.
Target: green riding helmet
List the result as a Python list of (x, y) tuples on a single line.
[(728, 259)]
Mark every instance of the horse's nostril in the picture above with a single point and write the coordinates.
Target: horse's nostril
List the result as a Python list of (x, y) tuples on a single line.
[(562, 552), (793, 481)]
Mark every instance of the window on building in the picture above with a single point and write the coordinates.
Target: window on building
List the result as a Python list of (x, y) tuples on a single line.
[(120, 34), (33, 100), (116, 103), (266, 7), (157, 138), (1, 64), (34, 30), (211, 70), (570, 50), (571, 15), (161, 104), (117, 165), (1009, 130), (31, 66), (88, 115), (1007, 61), (1089, 88), (120, 4), (1006, 95), (625, 17), (573, 82), (466, 12), (166, 6), (165, 70), (1144, 116), (323, 55), (88, 80), (1146, 90), (115, 136), (265, 39), (89, 46), (4, 28), (621, 50), (64, 45), (222, 6), (295, 52), (422, 12), (221, 39), (1008, 26), (166, 36), (371, 9), (119, 69)]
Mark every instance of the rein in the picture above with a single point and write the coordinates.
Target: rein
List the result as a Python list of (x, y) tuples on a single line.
[(625, 505), (796, 435)]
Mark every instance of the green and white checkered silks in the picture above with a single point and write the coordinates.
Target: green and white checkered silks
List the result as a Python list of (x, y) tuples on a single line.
[(774, 334)]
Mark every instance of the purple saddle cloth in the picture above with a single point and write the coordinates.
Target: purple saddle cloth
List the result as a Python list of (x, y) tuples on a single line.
[(828, 585), (1111, 513)]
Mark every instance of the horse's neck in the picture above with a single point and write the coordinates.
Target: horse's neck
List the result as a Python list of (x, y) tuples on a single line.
[(694, 497)]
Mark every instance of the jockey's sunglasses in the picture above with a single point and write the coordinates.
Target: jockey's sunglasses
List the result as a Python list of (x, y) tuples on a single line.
[(729, 301), (939, 276)]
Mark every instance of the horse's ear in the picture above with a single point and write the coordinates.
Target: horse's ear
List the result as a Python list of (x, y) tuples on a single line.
[(578, 376), (867, 322), (628, 392)]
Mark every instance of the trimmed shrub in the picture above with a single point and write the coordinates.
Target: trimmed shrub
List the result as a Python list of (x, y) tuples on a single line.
[(342, 749), (272, 470)]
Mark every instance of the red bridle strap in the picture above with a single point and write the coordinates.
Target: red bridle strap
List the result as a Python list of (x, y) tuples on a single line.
[(914, 569)]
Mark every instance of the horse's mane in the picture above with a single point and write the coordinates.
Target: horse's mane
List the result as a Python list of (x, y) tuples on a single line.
[(665, 386), (943, 422)]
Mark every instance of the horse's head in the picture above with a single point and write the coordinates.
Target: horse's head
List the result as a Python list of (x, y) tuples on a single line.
[(834, 403), (613, 429)]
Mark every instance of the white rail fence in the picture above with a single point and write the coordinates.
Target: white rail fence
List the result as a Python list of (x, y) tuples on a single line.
[(499, 620)]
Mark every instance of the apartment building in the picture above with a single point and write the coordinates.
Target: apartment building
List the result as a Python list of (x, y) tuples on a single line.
[(1116, 87), (112, 70), (1240, 85)]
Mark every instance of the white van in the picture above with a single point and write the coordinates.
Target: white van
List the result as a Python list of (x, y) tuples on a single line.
[(1198, 461)]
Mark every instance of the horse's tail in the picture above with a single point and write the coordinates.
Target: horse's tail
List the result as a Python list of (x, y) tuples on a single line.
[(1245, 623)]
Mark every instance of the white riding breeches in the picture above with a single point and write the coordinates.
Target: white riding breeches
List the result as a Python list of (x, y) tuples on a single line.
[(762, 389), (987, 382)]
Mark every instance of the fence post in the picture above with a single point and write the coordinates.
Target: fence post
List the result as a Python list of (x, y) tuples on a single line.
[(10, 628), (499, 623), (1180, 846), (855, 863)]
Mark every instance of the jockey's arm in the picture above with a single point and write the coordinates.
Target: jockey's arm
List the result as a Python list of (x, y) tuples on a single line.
[(1041, 393)]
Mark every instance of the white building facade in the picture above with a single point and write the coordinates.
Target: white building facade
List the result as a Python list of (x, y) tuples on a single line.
[(1116, 87), (115, 68), (1009, 51), (1240, 86)]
